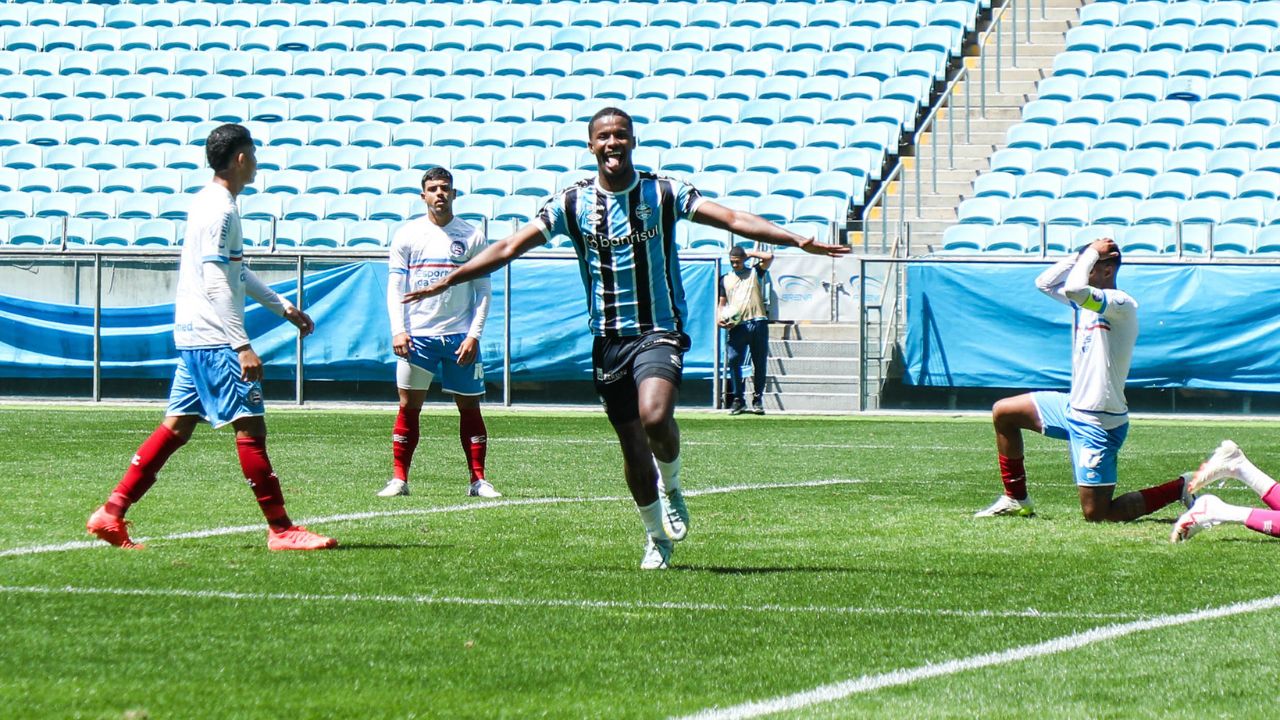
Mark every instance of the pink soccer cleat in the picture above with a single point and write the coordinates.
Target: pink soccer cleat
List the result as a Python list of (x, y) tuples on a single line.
[(298, 538), (111, 529)]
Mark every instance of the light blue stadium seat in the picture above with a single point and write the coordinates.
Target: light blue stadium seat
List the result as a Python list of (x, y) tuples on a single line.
[(33, 231), (1259, 184), (979, 211), (138, 206), (819, 209), (995, 184), (1015, 161), (964, 238), (367, 234), (391, 207), (1067, 212), (118, 233), (1245, 211), (1234, 239), (1133, 186), (521, 208), (1175, 186), (1266, 242)]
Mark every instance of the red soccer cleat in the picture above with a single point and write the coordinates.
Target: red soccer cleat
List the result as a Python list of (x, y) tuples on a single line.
[(298, 538), (111, 529)]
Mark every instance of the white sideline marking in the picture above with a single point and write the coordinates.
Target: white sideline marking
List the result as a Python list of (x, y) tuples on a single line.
[(241, 529), (540, 602), (904, 676)]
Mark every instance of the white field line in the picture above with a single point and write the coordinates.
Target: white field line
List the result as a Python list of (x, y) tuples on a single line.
[(905, 676), (623, 605), (242, 529)]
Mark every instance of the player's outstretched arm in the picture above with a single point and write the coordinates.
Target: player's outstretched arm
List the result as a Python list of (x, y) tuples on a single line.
[(491, 258), (753, 226)]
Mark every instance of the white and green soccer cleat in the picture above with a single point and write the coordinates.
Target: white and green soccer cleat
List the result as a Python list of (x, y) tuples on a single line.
[(657, 554), (394, 488), (1202, 516), (1005, 505), (1222, 464), (675, 514)]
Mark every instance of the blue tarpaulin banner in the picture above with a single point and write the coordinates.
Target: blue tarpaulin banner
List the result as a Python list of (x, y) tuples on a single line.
[(352, 341), (986, 325)]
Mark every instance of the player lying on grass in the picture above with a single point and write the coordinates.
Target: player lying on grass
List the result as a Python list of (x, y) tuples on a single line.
[(622, 224), (1094, 417), (440, 335), (1228, 461), (218, 378)]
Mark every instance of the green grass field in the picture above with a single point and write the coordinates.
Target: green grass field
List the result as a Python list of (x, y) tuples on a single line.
[(847, 552)]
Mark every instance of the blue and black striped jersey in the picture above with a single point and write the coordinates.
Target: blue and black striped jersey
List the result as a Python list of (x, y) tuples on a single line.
[(626, 246)]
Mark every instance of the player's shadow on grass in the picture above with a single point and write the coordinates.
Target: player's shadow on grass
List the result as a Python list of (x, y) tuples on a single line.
[(756, 570)]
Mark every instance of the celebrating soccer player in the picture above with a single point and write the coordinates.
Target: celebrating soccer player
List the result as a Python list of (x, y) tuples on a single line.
[(1228, 461), (218, 378), (440, 335), (622, 224), (1094, 418)]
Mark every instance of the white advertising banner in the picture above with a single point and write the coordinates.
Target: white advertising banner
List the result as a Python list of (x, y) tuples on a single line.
[(809, 288)]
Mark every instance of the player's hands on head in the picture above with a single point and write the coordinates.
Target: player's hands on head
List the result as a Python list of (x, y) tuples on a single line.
[(250, 365), (1105, 247), (300, 320)]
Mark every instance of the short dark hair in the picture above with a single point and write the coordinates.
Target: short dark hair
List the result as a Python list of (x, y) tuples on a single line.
[(606, 112), (437, 173), (737, 252), (224, 143)]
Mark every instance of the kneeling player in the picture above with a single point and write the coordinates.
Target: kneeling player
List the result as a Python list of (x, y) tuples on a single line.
[(440, 335), (1094, 418)]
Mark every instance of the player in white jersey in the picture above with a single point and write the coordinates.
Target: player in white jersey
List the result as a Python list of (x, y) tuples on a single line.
[(438, 335), (218, 377), (1094, 417)]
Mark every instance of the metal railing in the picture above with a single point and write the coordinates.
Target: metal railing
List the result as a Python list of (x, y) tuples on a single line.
[(298, 258), (946, 100)]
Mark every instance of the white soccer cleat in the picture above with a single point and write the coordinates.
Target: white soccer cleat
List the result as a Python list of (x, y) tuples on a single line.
[(394, 487), (657, 554), (675, 514), (482, 488), (1005, 505), (1222, 464), (1202, 516)]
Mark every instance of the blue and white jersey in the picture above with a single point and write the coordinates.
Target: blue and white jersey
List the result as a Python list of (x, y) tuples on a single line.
[(213, 236), (626, 245), (422, 253)]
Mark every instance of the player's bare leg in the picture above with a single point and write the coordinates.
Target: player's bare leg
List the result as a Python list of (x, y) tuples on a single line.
[(657, 402), (404, 440), (1010, 417), (1098, 505), (642, 480)]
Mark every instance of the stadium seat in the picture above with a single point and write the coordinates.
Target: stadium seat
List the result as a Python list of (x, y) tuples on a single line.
[(367, 233)]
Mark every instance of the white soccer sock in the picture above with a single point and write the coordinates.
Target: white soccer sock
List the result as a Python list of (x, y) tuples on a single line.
[(1257, 480), (1230, 513), (668, 473), (651, 516)]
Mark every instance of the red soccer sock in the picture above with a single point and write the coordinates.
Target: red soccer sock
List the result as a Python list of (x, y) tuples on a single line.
[(1272, 497), (141, 475), (404, 440), (1161, 495), (475, 440), (1266, 522), (1014, 477), (262, 480)]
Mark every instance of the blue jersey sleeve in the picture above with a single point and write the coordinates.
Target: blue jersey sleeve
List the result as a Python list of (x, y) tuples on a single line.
[(687, 199), (553, 218)]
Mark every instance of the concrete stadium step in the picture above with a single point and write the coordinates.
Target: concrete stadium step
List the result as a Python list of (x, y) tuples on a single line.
[(810, 402)]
